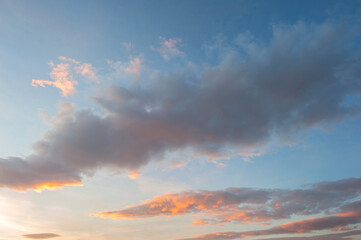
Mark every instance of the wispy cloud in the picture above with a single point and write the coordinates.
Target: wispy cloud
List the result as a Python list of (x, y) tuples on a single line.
[(127, 45), (122, 70), (62, 75), (134, 66), (334, 236), (40, 235), (169, 48), (303, 226)]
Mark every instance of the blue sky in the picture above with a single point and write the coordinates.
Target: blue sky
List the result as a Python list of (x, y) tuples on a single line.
[(163, 103)]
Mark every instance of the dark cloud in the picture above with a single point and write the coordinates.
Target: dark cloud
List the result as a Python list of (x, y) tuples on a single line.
[(300, 79), (40, 235), (242, 205)]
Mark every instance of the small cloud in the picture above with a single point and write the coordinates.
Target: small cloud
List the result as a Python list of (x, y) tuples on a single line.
[(127, 45), (86, 70), (199, 222), (40, 235), (133, 174), (131, 69), (62, 79), (134, 66), (62, 75), (169, 48), (247, 156)]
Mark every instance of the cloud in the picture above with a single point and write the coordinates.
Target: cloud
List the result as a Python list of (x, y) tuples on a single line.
[(18, 174), (334, 236), (133, 175), (127, 45), (62, 79), (247, 205), (134, 66), (301, 79), (169, 48), (40, 170), (40, 235), (122, 70), (62, 75), (303, 226)]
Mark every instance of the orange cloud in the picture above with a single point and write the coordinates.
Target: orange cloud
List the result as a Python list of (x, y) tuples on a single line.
[(247, 205), (55, 185), (39, 187), (134, 174), (168, 204)]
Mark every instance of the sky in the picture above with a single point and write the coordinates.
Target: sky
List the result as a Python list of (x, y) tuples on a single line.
[(180, 120)]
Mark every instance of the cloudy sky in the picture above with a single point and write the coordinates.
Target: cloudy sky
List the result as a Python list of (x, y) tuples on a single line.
[(180, 120)]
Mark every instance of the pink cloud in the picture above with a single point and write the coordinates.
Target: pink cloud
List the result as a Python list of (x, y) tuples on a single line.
[(127, 45), (62, 79), (169, 48), (62, 75), (134, 66), (87, 71)]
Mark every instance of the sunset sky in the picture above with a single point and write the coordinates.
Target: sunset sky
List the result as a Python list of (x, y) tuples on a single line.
[(180, 120)]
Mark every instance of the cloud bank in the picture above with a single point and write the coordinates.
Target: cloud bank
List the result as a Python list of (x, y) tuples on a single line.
[(305, 76)]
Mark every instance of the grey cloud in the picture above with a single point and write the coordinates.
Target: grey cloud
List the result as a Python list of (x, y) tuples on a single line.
[(299, 80), (345, 185), (303, 226), (19, 174), (334, 236)]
